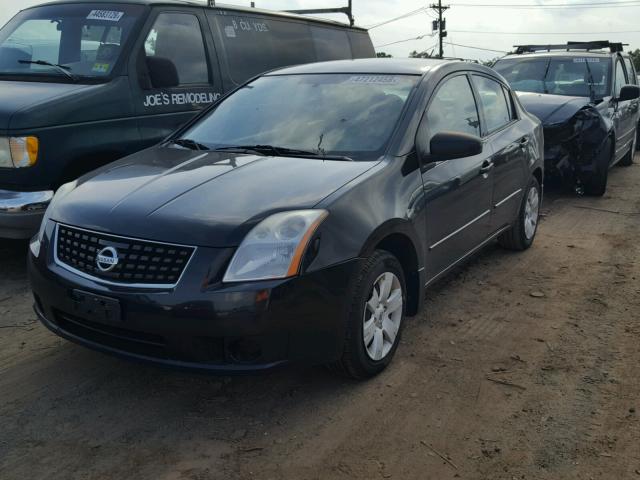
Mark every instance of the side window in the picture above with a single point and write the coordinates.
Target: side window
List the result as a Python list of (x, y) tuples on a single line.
[(330, 44), (620, 79), (178, 37), (361, 46), (453, 108), (494, 104), (253, 45), (631, 73)]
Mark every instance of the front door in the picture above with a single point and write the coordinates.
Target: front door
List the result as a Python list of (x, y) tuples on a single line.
[(174, 41), (457, 192), (624, 113)]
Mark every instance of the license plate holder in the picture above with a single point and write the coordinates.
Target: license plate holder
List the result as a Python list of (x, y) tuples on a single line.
[(96, 307)]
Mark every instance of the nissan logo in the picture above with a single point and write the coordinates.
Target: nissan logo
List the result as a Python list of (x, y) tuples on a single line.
[(107, 259)]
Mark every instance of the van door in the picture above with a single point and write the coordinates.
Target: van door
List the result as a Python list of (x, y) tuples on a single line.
[(173, 75)]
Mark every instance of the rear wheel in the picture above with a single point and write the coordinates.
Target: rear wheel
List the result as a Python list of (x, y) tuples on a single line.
[(521, 235), (627, 161), (375, 317), (596, 186)]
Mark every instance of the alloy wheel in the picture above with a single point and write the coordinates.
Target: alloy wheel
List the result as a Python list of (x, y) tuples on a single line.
[(382, 316), (531, 212)]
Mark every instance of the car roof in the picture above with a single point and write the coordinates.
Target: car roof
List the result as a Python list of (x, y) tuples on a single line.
[(203, 4), (389, 66)]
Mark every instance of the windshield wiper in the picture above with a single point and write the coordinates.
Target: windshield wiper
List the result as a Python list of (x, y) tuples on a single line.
[(270, 150), (190, 144), (60, 68)]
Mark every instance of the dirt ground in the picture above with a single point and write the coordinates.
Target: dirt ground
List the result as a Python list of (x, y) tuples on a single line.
[(523, 366)]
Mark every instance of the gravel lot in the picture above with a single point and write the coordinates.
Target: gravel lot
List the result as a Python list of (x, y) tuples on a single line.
[(523, 366)]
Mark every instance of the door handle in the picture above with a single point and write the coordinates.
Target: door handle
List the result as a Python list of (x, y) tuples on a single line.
[(486, 167), (523, 142)]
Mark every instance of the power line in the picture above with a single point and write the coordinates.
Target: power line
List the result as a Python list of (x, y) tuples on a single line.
[(419, 37), (401, 17), (542, 33), (557, 6), (476, 48)]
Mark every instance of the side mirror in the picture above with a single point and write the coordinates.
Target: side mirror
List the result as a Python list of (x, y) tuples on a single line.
[(450, 145), (162, 72), (629, 92)]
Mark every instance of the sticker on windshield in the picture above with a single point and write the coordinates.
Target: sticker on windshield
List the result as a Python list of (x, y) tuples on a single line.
[(374, 79), (588, 60), (100, 67), (108, 15)]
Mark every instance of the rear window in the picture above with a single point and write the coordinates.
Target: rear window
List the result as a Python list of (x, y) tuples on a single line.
[(253, 45), (361, 45)]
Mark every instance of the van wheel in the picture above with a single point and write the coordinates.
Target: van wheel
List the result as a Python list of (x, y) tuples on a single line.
[(520, 236), (596, 186), (627, 161), (375, 317)]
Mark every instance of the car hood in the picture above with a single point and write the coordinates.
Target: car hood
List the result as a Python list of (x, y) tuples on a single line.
[(551, 109), (18, 96), (198, 198)]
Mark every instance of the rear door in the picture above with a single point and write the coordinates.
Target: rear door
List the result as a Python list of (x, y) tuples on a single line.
[(177, 36), (457, 192), (510, 146), (624, 112)]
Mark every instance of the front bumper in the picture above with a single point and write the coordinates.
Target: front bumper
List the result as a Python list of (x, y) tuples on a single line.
[(22, 212), (220, 328)]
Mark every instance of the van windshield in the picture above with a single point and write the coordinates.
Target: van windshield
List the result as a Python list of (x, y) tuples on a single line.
[(329, 114), (66, 41), (574, 76)]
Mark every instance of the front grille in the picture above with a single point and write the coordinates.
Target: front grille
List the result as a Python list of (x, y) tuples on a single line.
[(139, 261)]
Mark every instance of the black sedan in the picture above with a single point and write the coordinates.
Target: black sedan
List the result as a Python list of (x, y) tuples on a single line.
[(299, 219)]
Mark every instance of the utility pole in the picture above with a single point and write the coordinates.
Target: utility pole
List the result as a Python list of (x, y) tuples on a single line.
[(441, 23)]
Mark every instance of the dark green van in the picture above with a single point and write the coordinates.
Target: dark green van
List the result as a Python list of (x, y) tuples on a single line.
[(84, 83)]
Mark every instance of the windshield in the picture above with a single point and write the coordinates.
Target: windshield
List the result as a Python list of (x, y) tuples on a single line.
[(330, 114), (84, 40), (575, 76)]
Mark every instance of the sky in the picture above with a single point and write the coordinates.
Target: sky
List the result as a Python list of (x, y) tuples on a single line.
[(468, 23)]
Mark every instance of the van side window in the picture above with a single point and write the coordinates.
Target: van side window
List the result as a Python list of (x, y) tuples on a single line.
[(631, 73), (494, 104), (453, 109), (361, 46), (253, 45), (330, 44), (178, 37), (620, 79)]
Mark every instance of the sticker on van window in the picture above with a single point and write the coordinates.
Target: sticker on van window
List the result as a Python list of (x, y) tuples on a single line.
[(588, 60), (229, 31), (374, 79), (100, 67), (108, 15)]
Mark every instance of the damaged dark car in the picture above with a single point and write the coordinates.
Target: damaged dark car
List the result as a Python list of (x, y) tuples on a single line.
[(586, 95)]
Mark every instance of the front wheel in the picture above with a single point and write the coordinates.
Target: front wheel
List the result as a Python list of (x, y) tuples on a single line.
[(375, 317), (520, 236), (596, 186)]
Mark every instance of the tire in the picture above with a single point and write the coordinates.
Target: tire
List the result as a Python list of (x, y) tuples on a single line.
[(627, 161), (521, 235), (358, 360), (596, 186)]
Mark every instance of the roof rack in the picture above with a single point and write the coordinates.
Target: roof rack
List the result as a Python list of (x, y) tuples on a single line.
[(588, 46), (348, 11)]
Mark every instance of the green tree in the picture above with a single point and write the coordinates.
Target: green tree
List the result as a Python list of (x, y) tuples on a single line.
[(635, 56), (416, 54), (383, 55)]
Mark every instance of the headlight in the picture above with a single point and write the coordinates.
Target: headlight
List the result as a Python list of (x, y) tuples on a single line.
[(275, 247), (36, 241), (18, 152)]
